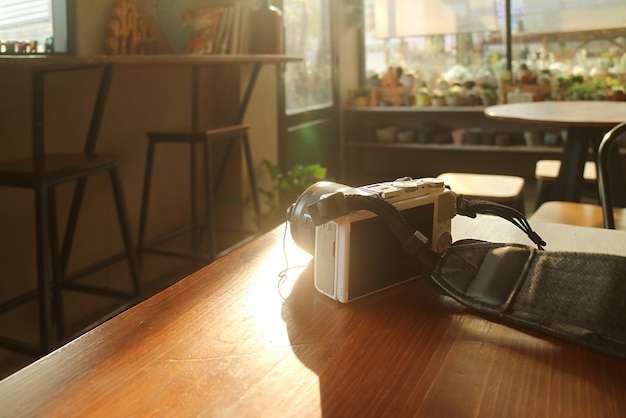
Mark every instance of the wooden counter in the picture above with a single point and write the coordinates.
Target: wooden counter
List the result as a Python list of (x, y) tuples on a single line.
[(64, 61), (223, 342)]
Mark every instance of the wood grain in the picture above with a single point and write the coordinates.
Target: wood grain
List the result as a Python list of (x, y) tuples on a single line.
[(224, 342)]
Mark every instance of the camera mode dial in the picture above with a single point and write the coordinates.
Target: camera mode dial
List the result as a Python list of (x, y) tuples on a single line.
[(411, 184)]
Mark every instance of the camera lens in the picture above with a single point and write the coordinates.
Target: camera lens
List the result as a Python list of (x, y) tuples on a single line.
[(301, 224)]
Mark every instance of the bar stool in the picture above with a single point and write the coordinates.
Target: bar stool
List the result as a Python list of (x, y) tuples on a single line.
[(42, 174), (205, 139), (546, 172), (507, 190)]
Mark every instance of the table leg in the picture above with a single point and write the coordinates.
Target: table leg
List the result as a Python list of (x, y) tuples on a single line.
[(568, 184)]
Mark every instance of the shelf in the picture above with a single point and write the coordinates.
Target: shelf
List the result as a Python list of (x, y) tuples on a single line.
[(52, 62), (366, 160), (416, 109), (456, 148), (580, 36)]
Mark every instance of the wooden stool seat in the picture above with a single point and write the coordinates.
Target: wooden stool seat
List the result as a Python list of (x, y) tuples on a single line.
[(42, 174), (507, 190), (548, 170), (204, 139), (51, 168), (580, 214)]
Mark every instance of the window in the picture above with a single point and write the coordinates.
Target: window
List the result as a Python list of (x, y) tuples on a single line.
[(25, 21), (308, 84), (438, 40)]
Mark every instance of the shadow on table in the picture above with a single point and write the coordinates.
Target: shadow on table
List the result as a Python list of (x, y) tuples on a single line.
[(410, 351)]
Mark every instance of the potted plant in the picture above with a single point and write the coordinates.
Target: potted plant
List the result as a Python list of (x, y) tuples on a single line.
[(455, 96), (437, 99), (489, 96), (580, 91), (423, 98), (617, 93), (360, 96), (286, 187)]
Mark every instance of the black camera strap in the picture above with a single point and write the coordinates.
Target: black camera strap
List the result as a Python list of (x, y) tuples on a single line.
[(471, 208), (579, 297)]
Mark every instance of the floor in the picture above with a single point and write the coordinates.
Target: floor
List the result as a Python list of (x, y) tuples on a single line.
[(155, 279)]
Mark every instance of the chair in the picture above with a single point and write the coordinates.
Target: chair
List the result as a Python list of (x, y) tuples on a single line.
[(205, 139), (42, 173), (611, 192), (507, 190), (546, 172)]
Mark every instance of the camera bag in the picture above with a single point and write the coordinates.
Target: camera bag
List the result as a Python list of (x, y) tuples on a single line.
[(579, 297)]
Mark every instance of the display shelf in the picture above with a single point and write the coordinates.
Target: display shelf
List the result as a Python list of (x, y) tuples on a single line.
[(578, 36), (456, 148), (366, 159)]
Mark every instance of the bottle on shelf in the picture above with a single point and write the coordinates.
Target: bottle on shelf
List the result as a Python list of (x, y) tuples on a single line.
[(266, 30)]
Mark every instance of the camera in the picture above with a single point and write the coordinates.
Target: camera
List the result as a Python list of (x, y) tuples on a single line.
[(356, 254)]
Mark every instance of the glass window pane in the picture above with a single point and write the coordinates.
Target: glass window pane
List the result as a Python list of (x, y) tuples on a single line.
[(25, 20), (457, 40), (308, 84), (555, 43), (433, 40)]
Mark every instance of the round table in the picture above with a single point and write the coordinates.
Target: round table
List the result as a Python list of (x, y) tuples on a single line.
[(586, 123)]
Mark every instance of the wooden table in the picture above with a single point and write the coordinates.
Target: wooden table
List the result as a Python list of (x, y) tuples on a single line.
[(586, 122), (223, 342)]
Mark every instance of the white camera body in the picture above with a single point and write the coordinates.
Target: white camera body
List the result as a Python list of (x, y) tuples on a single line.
[(356, 254)]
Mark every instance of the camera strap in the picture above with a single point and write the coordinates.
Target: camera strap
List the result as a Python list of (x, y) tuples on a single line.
[(471, 208), (579, 297)]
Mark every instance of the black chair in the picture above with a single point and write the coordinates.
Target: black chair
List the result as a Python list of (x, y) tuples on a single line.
[(611, 189), (42, 173), (205, 225), (611, 185)]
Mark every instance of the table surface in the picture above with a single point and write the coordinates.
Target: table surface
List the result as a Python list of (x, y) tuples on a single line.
[(599, 114), (226, 342)]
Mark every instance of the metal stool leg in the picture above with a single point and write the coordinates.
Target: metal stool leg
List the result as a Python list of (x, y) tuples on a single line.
[(211, 227), (252, 179), (145, 200), (544, 190), (196, 235), (43, 280), (57, 269), (118, 194)]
